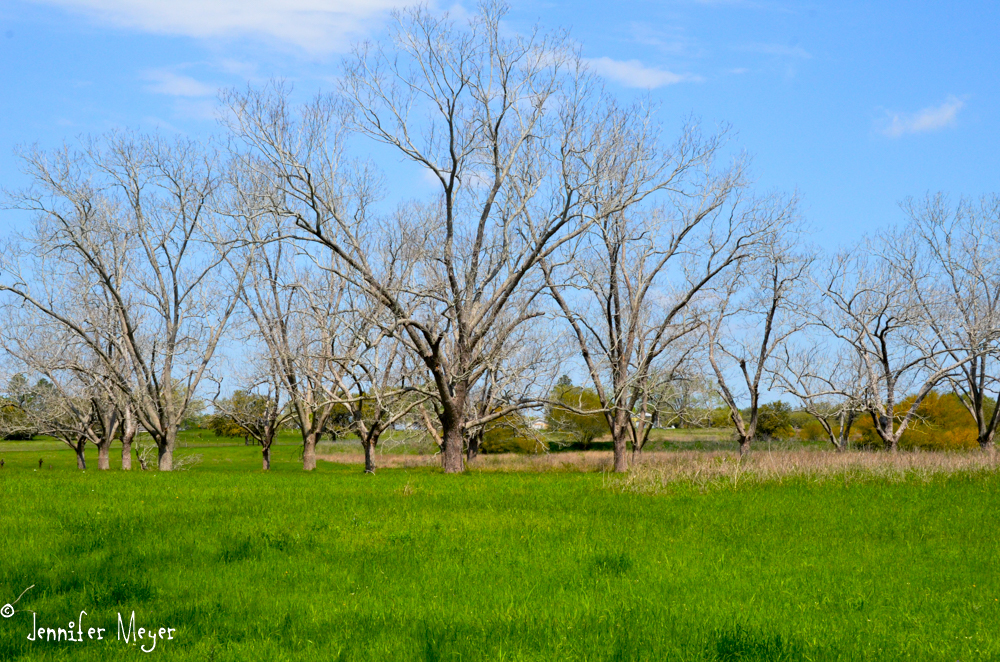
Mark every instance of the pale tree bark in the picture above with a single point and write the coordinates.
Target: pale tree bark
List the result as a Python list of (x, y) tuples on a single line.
[(135, 215), (755, 314), (516, 137), (260, 411), (302, 320), (959, 246), (57, 404), (828, 381), (883, 314), (129, 429), (371, 380), (630, 292)]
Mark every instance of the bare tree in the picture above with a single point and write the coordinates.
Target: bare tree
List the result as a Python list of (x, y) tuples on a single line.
[(882, 312), (515, 136), (135, 215), (296, 318), (47, 395), (829, 384), (959, 247), (756, 312), (79, 386), (375, 380), (630, 291), (259, 412)]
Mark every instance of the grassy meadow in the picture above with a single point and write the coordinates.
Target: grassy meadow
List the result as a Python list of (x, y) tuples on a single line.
[(692, 557)]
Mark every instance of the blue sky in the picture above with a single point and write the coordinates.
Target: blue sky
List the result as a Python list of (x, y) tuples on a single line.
[(855, 105)]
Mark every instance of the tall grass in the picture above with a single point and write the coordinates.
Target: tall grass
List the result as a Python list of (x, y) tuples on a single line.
[(664, 471)]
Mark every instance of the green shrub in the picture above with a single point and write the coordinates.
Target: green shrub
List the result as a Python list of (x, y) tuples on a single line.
[(510, 434), (583, 429)]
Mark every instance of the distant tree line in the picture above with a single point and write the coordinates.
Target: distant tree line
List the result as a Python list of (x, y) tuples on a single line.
[(280, 264)]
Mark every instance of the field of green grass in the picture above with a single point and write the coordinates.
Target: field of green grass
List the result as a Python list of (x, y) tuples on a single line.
[(412, 564)]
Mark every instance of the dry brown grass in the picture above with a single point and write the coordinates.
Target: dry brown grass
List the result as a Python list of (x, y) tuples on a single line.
[(577, 461), (655, 472), (721, 470), (388, 461)]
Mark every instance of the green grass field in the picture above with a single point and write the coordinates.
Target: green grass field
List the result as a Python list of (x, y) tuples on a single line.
[(416, 565)]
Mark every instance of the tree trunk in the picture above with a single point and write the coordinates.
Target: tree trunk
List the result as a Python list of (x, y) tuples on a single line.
[(166, 446), (986, 444), (81, 462), (266, 452), (619, 436), (475, 439), (452, 460), (128, 434), (369, 457), (621, 452), (744, 446), (309, 451), (127, 451), (103, 453)]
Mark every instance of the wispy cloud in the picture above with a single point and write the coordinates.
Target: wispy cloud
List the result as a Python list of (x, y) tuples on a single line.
[(318, 26), (932, 118), (632, 73), (176, 85), (671, 40)]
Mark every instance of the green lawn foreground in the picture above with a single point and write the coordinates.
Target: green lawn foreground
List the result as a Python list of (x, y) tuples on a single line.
[(416, 565)]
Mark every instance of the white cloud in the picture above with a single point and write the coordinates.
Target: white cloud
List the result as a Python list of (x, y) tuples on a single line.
[(931, 118), (318, 26), (176, 85), (632, 73)]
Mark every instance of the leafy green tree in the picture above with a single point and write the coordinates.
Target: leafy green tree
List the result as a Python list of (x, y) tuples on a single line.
[(509, 434), (235, 416), (577, 412), (775, 420)]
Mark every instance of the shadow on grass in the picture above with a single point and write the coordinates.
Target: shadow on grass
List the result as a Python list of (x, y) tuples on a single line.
[(742, 644)]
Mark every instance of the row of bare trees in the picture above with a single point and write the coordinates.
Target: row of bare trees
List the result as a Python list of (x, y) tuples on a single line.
[(562, 229)]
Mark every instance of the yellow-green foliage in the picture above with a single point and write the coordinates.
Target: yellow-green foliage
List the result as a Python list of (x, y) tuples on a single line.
[(510, 434), (942, 423), (583, 428), (774, 420), (811, 430)]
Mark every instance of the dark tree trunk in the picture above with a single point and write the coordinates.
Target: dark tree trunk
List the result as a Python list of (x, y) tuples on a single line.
[(369, 457), (309, 451), (81, 461), (475, 441), (452, 460), (744, 446), (621, 453), (266, 452), (619, 437)]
